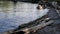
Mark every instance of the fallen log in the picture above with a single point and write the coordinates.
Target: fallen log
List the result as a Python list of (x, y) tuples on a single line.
[(31, 30), (34, 28)]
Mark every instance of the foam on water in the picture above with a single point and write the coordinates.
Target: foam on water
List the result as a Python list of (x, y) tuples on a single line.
[(25, 12)]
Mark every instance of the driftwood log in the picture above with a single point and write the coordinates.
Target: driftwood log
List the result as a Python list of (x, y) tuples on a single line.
[(32, 29)]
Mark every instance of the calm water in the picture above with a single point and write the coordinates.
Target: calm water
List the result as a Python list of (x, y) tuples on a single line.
[(12, 16)]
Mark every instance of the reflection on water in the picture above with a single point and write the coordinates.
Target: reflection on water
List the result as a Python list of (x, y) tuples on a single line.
[(12, 16)]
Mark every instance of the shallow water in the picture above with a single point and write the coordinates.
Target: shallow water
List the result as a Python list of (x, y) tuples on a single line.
[(12, 16)]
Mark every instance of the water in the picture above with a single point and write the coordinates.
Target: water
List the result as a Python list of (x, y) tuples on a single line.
[(12, 16)]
